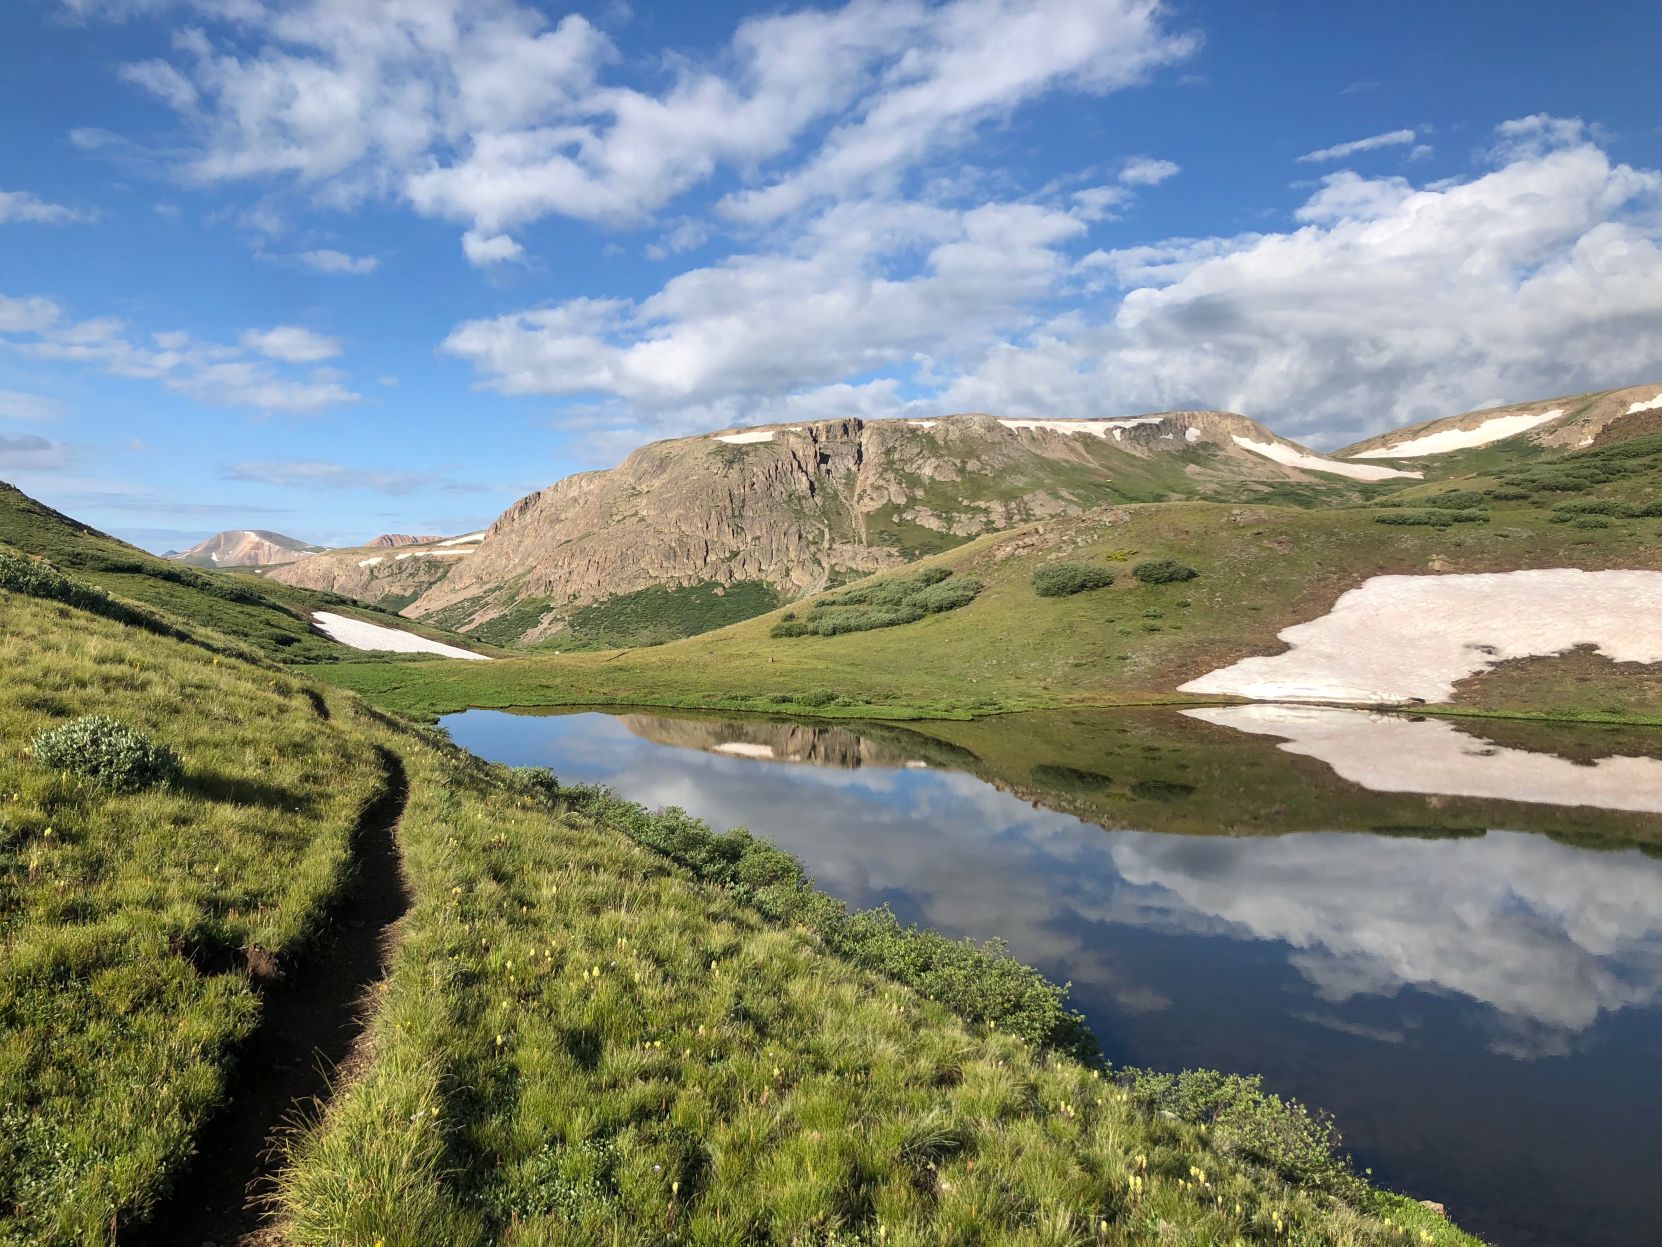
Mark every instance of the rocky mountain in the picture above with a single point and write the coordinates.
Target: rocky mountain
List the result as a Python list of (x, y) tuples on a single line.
[(391, 571), (244, 547), (771, 513), (1553, 423), (394, 540)]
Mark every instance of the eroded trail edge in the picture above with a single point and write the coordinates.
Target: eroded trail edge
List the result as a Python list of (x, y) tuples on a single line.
[(311, 1018)]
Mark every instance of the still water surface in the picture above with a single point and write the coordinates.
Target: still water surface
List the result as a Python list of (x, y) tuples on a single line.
[(1472, 985)]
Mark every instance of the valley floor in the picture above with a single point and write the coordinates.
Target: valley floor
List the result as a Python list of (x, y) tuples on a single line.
[(599, 1024)]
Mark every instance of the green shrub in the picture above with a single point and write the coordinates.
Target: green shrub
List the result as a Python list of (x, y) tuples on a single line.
[(1591, 521), (1510, 495), (1456, 500), (108, 752), (1432, 519), (1598, 506), (1060, 580), (884, 603), (1163, 572), (816, 697)]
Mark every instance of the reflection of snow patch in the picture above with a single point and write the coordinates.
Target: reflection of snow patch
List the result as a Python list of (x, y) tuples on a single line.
[(1401, 637), (1444, 440), (360, 635), (1294, 458), (1387, 753), (1650, 406), (744, 749)]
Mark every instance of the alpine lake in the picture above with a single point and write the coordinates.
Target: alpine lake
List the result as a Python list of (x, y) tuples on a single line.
[(1446, 933)]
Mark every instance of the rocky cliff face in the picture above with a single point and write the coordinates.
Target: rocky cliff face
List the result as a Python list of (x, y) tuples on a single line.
[(390, 571), (798, 507)]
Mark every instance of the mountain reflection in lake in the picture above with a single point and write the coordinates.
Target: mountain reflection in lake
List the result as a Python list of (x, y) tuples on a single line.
[(1479, 1008)]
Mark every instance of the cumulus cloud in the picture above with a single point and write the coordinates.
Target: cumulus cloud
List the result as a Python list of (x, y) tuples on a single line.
[(250, 374), (1391, 303), (1394, 138), (489, 114), (762, 325), (20, 207), (291, 344)]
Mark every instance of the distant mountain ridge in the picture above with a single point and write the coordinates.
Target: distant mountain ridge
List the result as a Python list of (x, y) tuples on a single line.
[(245, 547), (781, 510)]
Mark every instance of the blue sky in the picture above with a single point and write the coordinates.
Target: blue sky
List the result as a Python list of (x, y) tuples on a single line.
[(338, 267)]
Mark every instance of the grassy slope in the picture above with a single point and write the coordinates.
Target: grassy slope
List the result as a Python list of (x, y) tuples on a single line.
[(578, 1041), (112, 1044), (273, 618), (581, 1045), (1263, 568)]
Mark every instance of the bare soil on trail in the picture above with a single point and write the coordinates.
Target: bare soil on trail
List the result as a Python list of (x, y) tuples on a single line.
[(311, 1017)]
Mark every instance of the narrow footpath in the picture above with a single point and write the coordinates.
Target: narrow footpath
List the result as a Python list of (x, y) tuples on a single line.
[(311, 1018)]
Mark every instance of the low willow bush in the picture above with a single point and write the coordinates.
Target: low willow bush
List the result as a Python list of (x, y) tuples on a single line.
[(885, 603), (980, 982), (1432, 519), (1163, 572), (107, 752), (1060, 580)]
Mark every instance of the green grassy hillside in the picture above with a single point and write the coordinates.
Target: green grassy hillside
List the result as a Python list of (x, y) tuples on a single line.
[(274, 619), (1260, 570), (600, 1024)]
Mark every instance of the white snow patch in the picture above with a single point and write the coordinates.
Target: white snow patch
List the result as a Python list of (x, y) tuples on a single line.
[(1294, 458), (1388, 753), (371, 562), (748, 436), (466, 539), (361, 635), (1650, 406), (1400, 637), (744, 749), (1191, 434), (1101, 428), (1444, 440), (429, 554), (924, 424)]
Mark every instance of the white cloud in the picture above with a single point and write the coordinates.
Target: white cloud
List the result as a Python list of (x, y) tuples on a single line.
[(1395, 138), (1390, 304), (488, 114), (16, 405), (484, 249), (763, 325), (22, 208), (1147, 171), (291, 344), (971, 61), (224, 375), (325, 260)]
